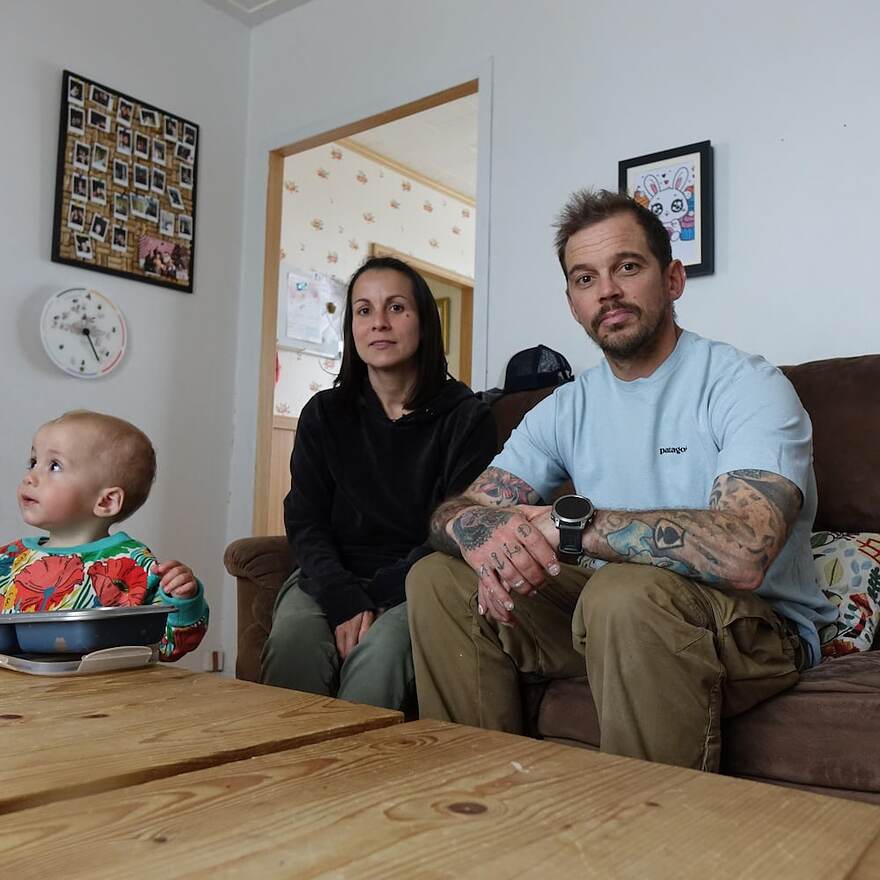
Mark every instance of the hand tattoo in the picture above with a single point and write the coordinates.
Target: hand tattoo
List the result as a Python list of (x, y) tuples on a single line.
[(475, 525)]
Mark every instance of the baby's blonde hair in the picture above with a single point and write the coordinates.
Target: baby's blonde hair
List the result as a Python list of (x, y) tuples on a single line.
[(125, 450)]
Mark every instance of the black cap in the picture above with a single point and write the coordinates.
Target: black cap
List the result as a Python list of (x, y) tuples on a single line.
[(538, 367)]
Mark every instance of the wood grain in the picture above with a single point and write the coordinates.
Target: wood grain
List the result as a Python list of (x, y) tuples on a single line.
[(67, 737), (432, 800)]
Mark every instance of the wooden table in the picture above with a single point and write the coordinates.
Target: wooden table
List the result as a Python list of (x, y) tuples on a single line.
[(431, 800), (62, 738)]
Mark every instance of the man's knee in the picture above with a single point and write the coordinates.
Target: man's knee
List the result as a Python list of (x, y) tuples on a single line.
[(622, 591), (438, 580)]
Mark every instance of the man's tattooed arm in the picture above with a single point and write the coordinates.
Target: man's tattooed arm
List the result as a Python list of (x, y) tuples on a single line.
[(466, 521), (732, 544)]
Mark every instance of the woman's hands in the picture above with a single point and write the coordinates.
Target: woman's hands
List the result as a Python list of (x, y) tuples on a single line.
[(350, 633)]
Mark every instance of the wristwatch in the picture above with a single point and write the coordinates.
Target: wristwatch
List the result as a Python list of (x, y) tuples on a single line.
[(571, 514)]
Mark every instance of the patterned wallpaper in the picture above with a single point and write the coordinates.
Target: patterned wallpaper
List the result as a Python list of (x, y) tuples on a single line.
[(336, 203)]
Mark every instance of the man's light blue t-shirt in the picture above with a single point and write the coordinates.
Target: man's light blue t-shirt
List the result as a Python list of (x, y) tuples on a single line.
[(660, 442)]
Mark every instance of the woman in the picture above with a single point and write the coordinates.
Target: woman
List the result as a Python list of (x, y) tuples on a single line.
[(373, 457)]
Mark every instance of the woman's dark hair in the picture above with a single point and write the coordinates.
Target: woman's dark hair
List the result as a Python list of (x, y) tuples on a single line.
[(430, 360)]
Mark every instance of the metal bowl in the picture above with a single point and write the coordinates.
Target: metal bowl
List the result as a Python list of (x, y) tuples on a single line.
[(8, 641), (80, 632)]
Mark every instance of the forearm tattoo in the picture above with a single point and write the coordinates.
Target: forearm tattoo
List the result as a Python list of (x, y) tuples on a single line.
[(499, 488), (731, 544), (494, 488)]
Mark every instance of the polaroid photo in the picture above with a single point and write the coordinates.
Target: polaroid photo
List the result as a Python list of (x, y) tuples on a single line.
[(158, 151), (189, 134), (98, 190), (186, 177), (184, 152), (76, 216), (141, 176), (98, 120), (82, 155), (141, 145), (149, 117), (170, 129), (138, 206), (76, 91), (166, 223), (100, 153), (76, 120), (120, 173), (175, 197), (102, 97), (83, 246), (79, 187), (99, 227), (119, 239), (151, 211), (158, 184), (120, 206), (123, 140), (185, 226), (125, 112)]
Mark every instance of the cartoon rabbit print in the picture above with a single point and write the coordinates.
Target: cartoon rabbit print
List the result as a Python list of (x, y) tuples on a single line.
[(670, 204)]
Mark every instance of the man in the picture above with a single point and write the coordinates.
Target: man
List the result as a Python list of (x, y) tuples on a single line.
[(696, 596)]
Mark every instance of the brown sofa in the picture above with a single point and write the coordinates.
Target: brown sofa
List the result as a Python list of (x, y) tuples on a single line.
[(819, 735)]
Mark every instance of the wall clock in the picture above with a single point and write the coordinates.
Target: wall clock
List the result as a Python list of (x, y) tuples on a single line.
[(83, 332)]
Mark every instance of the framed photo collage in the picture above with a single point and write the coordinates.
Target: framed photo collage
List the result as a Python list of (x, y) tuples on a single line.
[(125, 189)]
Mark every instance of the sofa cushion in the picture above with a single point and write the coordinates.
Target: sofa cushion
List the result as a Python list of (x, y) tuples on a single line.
[(814, 734), (817, 733), (842, 397), (848, 567)]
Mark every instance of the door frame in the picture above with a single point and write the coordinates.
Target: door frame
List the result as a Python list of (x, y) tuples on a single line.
[(272, 266)]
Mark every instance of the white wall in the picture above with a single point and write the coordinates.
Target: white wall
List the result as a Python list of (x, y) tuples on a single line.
[(176, 381)]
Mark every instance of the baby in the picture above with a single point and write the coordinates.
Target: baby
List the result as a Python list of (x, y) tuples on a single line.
[(88, 471)]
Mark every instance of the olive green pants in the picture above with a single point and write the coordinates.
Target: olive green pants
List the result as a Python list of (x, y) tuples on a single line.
[(666, 657), (301, 654)]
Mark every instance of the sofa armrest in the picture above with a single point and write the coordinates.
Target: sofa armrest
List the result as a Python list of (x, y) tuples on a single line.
[(260, 566), (267, 561)]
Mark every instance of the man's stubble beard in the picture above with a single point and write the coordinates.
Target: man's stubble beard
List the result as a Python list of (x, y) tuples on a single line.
[(624, 347)]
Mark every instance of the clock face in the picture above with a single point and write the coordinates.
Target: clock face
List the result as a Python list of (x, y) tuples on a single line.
[(83, 332)]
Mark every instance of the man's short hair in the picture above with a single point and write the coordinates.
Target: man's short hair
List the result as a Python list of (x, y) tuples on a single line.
[(586, 207), (125, 451)]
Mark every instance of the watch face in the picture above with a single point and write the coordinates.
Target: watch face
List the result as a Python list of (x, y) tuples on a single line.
[(83, 332), (573, 508)]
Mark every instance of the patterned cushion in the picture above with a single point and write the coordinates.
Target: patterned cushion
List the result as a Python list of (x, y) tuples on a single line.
[(848, 566)]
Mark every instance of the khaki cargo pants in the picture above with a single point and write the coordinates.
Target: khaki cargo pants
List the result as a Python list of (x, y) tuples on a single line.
[(666, 657)]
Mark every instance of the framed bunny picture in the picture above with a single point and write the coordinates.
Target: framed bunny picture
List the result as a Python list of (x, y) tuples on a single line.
[(676, 186)]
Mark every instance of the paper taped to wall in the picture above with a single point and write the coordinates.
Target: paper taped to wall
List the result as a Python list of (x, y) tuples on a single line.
[(310, 306)]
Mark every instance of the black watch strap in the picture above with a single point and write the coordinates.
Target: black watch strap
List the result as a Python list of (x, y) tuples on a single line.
[(570, 542)]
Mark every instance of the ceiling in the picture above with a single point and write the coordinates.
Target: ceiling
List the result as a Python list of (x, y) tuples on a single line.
[(254, 12), (440, 143)]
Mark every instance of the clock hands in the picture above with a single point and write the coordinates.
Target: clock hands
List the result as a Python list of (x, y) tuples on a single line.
[(87, 333)]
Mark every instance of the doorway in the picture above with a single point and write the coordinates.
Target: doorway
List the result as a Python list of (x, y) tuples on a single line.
[(453, 289)]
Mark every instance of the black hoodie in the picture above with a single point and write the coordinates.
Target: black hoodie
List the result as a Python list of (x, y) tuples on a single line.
[(364, 487)]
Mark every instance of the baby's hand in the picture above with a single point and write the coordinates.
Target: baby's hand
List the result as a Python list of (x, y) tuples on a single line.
[(177, 579)]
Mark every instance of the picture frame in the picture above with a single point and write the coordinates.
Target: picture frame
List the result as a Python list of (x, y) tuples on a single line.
[(677, 186), (443, 307), (114, 211)]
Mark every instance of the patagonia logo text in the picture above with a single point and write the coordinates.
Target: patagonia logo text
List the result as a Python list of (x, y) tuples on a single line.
[(673, 450)]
